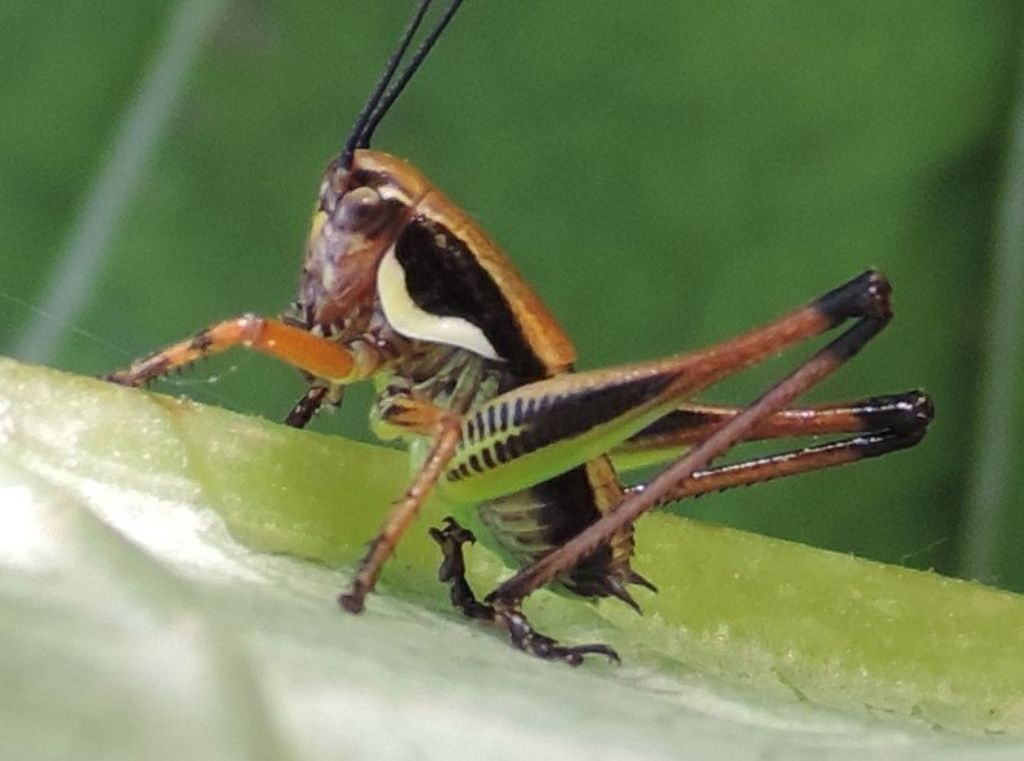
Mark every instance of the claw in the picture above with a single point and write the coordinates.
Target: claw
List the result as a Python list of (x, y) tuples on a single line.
[(573, 655), (541, 646), (451, 538), (457, 533), (596, 649)]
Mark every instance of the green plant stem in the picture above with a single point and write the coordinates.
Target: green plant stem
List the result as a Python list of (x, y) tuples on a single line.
[(780, 618)]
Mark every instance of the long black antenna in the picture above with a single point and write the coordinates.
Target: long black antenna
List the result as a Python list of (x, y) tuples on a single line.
[(385, 78), (396, 89), (384, 92)]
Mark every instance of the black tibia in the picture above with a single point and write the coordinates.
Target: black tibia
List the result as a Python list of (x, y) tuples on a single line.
[(309, 404), (452, 571)]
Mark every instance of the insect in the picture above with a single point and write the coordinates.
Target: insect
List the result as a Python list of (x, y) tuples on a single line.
[(400, 286)]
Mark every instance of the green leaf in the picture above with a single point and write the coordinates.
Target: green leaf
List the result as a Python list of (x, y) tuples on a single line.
[(146, 611)]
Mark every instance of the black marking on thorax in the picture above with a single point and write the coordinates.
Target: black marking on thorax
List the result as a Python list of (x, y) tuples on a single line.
[(444, 278)]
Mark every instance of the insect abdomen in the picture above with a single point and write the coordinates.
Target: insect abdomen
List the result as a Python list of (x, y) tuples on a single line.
[(532, 522)]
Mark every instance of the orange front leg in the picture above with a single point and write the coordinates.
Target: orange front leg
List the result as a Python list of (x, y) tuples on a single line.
[(313, 354)]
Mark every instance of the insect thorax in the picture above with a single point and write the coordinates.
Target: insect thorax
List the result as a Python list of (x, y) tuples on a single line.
[(451, 378)]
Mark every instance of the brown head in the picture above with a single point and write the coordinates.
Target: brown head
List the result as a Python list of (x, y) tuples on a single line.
[(360, 211), (365, 198)]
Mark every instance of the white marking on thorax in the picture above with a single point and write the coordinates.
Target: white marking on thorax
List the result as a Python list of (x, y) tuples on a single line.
[(413, 322)]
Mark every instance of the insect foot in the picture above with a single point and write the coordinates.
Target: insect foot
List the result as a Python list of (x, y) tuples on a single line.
[(353, 601), (450, 537), (525, 638)]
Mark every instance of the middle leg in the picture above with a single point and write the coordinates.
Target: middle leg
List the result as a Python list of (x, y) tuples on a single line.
[(451, 537)]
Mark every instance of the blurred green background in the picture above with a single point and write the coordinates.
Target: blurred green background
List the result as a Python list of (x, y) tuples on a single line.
[(666, 174)]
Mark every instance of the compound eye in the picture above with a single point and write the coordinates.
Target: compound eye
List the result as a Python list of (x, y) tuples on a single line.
[(359, 210)]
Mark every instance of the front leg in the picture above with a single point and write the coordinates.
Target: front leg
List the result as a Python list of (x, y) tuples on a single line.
[(450, 538), (315, 355)]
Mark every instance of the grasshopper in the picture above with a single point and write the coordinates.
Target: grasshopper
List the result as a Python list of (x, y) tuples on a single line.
[(400, 286)]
